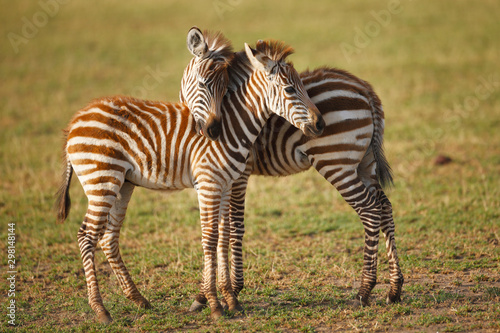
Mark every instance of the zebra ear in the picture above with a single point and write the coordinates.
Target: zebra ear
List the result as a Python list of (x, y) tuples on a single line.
[(196, 43), (259, 60)]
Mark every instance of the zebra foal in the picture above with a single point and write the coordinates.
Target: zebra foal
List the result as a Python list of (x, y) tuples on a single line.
[(117, 143), (348, 154)]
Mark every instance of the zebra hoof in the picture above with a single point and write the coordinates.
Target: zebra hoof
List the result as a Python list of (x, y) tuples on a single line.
[(197, 306), (104, 318), (391, 299), (358, 302), (224, 304), (217, 313), (144, 304), (354, 303), (238, 308), (140, 301)]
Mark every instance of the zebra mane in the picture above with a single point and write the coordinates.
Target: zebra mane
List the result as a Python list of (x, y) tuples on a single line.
[(220, 47), (274, 49), (238, 70)]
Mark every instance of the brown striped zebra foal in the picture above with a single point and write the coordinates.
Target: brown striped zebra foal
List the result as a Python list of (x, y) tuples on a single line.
[(117, 143), (348, 154)]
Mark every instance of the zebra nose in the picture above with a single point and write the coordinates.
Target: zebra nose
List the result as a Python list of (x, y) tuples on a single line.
[(320, 125), (213, 130)]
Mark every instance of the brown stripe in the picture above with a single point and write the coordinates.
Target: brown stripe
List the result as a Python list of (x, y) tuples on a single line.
[(341, 161), (347, 125), (101, 193), (103, 179), (331, 86), (99, 166), (334, 148), (341, 104), (102, 150)]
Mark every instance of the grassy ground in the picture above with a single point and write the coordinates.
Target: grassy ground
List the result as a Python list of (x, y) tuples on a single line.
[(435, 67)]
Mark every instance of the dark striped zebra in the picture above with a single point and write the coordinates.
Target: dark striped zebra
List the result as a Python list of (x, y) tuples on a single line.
[(348, 154), (117, 143)]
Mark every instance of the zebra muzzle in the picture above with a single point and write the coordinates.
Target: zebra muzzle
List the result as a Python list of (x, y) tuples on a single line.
[(315, 127), (210, 131)]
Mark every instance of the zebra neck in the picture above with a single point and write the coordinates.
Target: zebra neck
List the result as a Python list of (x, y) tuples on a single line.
[(245, 110)]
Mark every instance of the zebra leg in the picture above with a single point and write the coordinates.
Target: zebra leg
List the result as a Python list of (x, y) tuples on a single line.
[(369, 211), (209, 201), (237, 228), (366, 205), (388, 227), (367, 172), (225, 284), (111, 246), (101, 199), (237, 222)]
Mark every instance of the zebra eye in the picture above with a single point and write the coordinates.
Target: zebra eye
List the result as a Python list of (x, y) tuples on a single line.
[(202, 85), (290, 90)]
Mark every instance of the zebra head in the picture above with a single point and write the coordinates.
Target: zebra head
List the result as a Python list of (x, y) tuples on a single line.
[(205, 79), (286, 94)]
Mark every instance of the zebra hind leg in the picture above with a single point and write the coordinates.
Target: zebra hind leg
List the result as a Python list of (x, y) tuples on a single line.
[(369, 211), (367, 171), (366, 205), (388, 228), (102, 193), (111, 247), (88, 235)]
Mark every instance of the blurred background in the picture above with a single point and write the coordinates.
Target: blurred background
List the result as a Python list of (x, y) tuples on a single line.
[(434, 64)]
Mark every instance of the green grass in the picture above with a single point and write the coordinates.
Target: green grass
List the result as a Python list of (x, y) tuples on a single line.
[(435, 67)]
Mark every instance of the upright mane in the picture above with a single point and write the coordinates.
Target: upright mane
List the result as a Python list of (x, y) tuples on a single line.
[(219, 45), (274, 49)]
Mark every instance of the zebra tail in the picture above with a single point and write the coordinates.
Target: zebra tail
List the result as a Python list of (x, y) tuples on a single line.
[(63, 203), (383, 169)]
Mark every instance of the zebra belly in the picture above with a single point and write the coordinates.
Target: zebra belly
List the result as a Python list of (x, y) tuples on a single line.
[(155, 182)]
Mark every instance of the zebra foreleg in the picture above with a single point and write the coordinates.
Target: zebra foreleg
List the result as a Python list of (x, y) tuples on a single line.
[(237, 222), (225, 281), (237, 230), (209, 201)]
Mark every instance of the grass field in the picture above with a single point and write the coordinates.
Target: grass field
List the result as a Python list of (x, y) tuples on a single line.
[(434, 65)]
